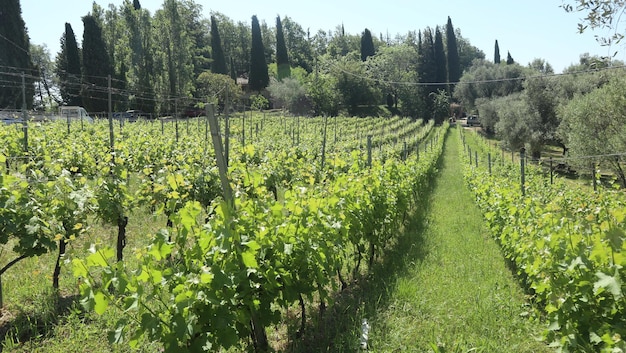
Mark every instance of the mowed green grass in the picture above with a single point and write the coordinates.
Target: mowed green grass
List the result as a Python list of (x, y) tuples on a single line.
[(457, 295)]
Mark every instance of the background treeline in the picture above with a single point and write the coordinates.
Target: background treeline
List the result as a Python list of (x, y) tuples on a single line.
[(177, 57)]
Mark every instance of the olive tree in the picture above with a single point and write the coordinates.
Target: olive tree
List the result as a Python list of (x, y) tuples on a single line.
[(595, 124)]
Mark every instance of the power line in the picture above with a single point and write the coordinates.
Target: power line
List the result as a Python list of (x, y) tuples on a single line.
[(14, 44)]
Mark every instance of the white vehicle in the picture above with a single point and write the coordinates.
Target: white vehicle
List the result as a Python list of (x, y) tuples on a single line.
[(74, 113)]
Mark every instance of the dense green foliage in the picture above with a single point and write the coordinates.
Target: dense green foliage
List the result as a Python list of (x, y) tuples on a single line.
[(595, 124), (216, 267), (15, 57), (155, 60), (566, 244)]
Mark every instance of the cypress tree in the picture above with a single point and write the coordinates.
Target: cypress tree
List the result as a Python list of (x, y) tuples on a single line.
[(282, 57), (96, 67), (259, 76), (367, 45), (496, 53), (427, 73), (218, 65), (440, 58), (454, 63), (68, 68), (15, 57), (509, 58)]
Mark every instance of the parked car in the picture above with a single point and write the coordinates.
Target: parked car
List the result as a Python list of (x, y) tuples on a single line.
[(472, 120), (74, 113)]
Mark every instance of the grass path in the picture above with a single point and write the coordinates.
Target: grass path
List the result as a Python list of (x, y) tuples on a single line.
[(456, 293)]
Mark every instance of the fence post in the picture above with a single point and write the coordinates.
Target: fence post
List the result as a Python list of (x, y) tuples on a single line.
[(489, 162), (593, 176), (220, 159), (324, 142), (369, 150), (476, 158), (111, 137), (404, 152), (24, 120), (469, 150), (551, 172), (522, 158), (417, 150)]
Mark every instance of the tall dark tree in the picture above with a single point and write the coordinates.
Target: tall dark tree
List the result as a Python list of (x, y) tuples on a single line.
[(136, 5), (218, 65), (509, 58), (68, 68), (454, 63), (259, 76), (367, 45), (15, 57), (440, 58), (282, 57), (427, 69), (496, 53), (96, 67)]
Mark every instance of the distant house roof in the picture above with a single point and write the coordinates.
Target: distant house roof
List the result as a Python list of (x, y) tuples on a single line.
[(242, 81)]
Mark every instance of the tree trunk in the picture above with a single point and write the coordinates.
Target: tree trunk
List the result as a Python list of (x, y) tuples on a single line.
[(57, 266), (259, 337), (344, 285), (169, 224), (620, 172), (121, 236), (359, 256), (300, 332)]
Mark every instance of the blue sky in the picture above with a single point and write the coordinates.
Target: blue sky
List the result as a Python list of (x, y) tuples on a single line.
[(528, 29)]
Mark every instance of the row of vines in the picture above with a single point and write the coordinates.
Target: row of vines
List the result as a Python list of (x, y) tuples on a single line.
[(315, 201), (566, 242)]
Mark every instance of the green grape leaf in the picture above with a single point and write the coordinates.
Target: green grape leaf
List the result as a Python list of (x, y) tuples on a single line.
[(101, 303), (249, 259), (609, 283)]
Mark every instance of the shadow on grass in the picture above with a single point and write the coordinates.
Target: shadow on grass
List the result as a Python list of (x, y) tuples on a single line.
[(35, 321), (339, 327)]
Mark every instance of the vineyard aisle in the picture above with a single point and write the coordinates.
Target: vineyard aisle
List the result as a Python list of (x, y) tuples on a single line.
[(458, 295)]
